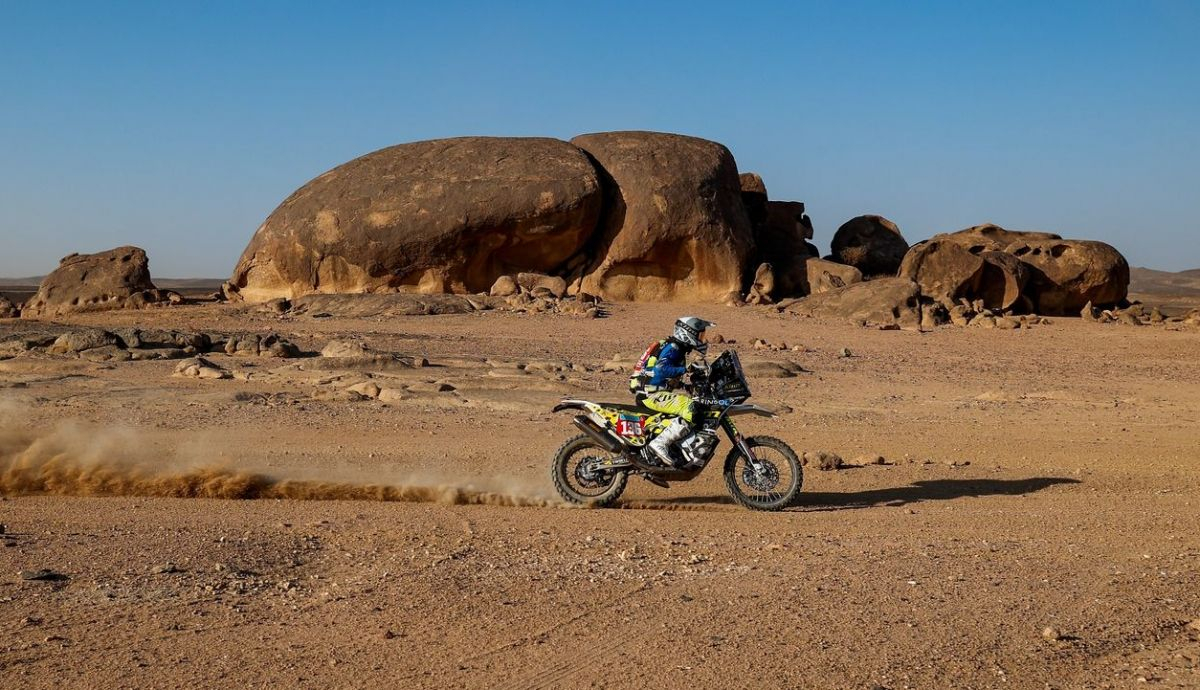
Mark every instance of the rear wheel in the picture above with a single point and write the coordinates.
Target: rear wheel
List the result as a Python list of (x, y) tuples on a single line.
[(580, 476), (772, 482)]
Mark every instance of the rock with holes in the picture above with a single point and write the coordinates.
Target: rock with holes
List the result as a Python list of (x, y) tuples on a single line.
[(116, 279), (872, 244), (991, 238), (674, 225), (448, 215), (1067, 274), (879, 301)]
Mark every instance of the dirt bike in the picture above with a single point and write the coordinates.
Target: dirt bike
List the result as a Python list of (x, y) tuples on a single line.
[(761, 472)]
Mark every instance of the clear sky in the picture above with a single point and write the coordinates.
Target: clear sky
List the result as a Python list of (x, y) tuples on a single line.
[(178, 126)]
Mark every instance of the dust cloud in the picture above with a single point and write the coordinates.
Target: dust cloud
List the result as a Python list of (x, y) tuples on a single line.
[(78, 460)]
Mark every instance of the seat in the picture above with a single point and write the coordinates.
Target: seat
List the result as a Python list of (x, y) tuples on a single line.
[(623, 407)]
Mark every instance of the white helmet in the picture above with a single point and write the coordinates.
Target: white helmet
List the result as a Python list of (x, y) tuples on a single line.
[(688, 330)]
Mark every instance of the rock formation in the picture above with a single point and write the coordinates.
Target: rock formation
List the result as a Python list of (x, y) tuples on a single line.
[(449, 215), (1023, 271), (1067, 274), (116, 279), (674, 226)]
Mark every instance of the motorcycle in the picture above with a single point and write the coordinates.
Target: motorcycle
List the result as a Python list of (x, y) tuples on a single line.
[(761, 472)]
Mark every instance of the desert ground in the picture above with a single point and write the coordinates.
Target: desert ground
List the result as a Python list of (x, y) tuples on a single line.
[(1037, 524)]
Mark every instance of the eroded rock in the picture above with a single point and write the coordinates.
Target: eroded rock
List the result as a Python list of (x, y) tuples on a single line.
[(674, 226), (448, 215)]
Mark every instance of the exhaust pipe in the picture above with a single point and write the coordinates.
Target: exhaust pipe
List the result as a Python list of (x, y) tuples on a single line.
[(602, 436)]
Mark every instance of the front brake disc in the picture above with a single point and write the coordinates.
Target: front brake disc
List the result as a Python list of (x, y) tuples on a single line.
[(765, 480)]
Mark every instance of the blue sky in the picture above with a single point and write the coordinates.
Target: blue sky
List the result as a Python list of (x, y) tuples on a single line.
[(179, 126)]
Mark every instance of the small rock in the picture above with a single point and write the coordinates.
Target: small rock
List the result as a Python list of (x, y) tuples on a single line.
[(845, 352), (1194, 625), (389, 635), (823, 460), (165, 569), (760, 344), (1051, 634)]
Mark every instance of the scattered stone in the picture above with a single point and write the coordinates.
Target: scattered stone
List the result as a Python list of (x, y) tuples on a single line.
[(198, 367), (870, 459), (823, 460), (84, 339), (367, 389), (8, 310), (344, 348), (845, 352), (1007, 323), (1051, 634), (165, 569), (505, 286)]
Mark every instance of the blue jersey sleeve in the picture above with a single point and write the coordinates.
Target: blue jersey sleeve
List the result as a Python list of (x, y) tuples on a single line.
[(670, 365)]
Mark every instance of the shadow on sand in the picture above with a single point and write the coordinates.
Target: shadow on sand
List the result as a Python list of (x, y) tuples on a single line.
[(917, 492)]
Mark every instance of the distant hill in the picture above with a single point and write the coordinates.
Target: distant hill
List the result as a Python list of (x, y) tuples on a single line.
[(1146, 281), (169, 283)]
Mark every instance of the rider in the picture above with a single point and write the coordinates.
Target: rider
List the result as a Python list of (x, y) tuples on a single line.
[(659, 371)]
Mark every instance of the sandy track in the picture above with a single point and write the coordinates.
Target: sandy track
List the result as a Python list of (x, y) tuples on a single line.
[(1078, 510)]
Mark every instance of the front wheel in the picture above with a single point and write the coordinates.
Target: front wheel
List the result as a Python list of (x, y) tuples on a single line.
[(580, 476), (773, 484)]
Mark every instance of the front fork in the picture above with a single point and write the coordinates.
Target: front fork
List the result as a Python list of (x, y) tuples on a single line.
[(739, 442)]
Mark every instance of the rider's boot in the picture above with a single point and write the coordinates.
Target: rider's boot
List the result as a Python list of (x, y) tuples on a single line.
[(661, 445)]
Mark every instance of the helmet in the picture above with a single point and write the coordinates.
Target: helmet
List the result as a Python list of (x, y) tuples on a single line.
[(688, 330)]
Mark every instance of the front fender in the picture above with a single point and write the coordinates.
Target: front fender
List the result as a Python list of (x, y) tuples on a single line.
[(735, 410)]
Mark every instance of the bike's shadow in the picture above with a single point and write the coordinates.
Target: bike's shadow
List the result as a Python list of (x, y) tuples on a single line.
[(917, 492)]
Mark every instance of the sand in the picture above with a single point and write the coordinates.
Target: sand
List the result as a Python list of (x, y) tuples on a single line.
[(1038, 478)]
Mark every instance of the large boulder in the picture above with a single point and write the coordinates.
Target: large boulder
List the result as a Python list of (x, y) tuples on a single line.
[(448, 215), (872, 244), (884, 301), (944, 270), (674, 225), (1067, 274), (115, 279)]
